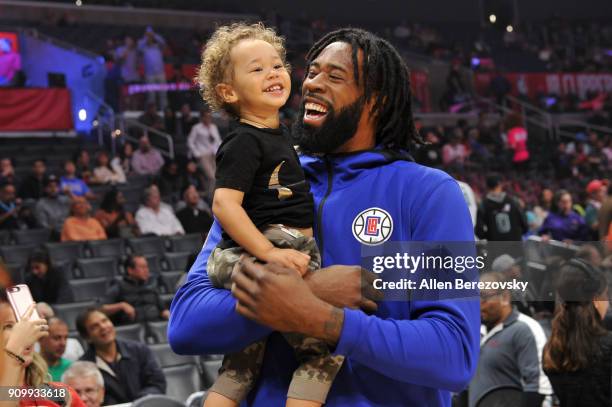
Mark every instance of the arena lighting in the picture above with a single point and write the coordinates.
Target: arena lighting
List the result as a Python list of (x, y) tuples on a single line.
[(95, 123), (509, 28), (117, 133), (492, 18), (78, 3), (82, 115)]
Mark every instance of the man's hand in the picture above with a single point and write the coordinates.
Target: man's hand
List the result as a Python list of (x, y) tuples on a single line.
[(279, 298), (128, 310), (165, 314), (345, 286)]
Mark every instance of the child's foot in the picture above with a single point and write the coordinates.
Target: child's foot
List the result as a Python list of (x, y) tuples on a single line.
[(217, 400), (301, 403)]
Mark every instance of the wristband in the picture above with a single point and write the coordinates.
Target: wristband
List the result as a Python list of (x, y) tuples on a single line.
[(15, 356)]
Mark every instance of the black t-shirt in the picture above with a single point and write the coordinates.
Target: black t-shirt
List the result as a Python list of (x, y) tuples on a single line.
[(263, 164)]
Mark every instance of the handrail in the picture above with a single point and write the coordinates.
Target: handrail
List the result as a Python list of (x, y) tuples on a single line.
[(586, 125), (147, 130), (111, 121), (62, 44)]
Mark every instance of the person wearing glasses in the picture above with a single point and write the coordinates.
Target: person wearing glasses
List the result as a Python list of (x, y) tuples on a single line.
[(85, 378)]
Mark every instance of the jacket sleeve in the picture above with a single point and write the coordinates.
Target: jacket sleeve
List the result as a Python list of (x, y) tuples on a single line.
[(200, 312), (438, 345)]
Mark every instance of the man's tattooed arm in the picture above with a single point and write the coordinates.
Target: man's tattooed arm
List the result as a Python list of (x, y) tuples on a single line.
[(332, 326)]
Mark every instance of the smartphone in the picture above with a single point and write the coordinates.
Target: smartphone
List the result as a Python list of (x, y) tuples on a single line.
[(20, 298)]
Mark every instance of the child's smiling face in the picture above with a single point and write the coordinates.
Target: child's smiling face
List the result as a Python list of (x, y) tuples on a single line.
[(260, 83)]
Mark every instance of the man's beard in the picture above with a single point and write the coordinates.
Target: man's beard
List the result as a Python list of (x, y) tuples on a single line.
[(337, 128)]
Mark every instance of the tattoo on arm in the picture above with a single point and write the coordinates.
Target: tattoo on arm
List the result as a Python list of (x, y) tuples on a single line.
[(333, 325)]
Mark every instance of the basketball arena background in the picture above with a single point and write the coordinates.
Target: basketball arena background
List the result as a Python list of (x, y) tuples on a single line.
[(76, 85)]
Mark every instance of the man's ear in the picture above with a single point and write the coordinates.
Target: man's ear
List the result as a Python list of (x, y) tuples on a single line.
[(226, 92)]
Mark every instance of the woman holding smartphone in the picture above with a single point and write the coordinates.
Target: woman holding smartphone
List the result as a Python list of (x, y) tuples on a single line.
[(22, 369)]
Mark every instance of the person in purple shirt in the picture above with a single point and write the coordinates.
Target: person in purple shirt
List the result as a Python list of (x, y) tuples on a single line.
[(146, 160), (563, 223)]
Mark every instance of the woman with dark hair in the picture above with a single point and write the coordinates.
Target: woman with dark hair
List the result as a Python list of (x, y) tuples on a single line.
[(126, 157), (22, 367), (563, 223), (47, 283), (113, 216), (108, 171), (577, 358)]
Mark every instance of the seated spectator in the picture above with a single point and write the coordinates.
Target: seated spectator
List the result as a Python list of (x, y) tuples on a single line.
[(187, 121), (155, 217), (139, 290), (82, 162), (33, 186), (563, 223), (127, 152), (74, 349), (12, 214), (194, 176), (87, 381), (151, 118), (454, 153), (577, 357), (193, 218), (71, 185), (53, 346), (81, 225), (117, 222), (108, 171), (7, 172), (53, 208), (47, 283), (146, 160), (129, 368), (170, 181), (204, 141)]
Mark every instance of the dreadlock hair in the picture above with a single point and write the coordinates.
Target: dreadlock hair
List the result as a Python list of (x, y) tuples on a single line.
[(385, 77)]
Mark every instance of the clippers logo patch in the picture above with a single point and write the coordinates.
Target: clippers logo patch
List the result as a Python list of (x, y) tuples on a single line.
[(373, 226)]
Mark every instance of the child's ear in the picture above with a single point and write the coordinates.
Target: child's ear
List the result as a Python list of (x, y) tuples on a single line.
[(226, 92)]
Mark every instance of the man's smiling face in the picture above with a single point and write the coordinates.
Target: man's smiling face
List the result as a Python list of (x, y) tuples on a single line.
[(332, 101)]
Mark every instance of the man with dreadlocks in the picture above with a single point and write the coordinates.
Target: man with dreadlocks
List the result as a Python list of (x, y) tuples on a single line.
[(354, 130)]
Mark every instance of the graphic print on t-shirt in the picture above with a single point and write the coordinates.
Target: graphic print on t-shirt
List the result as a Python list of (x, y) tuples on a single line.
[(274, 183)]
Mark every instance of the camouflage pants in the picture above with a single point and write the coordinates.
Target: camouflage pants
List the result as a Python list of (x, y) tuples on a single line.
[(317, 367)]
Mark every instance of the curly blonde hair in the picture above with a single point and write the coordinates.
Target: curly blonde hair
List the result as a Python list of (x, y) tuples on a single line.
[(216, 65)]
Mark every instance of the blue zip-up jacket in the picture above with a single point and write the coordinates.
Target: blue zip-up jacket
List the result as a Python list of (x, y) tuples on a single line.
[(408, 353)]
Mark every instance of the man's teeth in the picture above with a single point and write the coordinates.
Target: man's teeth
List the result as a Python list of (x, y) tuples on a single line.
[(273, 88), (316, 107)]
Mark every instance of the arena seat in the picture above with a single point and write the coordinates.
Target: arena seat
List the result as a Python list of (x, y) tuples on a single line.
[(59, 252), (186, 243), (31, 236), (157, 331), (166, 357), (106, 248), (154, 264), (210, 371), (157, 400), (5, 237), (96, 267), (134, 332), (177, 261), (147, 245), (16, 271), (196, 399), (18, 254), (167, 298), (69, 312), (169, 280), (87, 289), (182, 381)]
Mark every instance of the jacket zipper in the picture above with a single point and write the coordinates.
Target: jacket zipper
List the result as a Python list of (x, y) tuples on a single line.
[(320, 210)]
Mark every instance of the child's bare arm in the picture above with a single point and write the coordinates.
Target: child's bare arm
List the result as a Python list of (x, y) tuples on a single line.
[(227, 207)]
